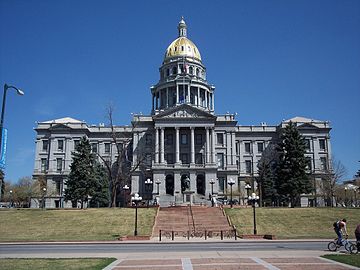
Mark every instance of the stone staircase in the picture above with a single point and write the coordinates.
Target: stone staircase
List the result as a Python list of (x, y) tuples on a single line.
[(192, 219)]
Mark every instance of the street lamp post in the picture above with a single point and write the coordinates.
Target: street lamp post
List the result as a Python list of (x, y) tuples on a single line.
[(136, 199), (345, 199), (212, 182), (158, 182), (11, 197), (231, 182), (125, 188), (253, 199), (43, 198), (248, 187), (148, 184), (6, 88)]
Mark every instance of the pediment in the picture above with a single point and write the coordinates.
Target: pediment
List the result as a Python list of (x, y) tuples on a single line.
[(184, 112), (307, 126), (59, 127)]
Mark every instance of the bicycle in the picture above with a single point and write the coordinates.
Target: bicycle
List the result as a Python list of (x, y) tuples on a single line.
[(349, 246)]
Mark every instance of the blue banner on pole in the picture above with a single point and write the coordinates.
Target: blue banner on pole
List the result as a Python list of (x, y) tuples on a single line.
[(3, 149)]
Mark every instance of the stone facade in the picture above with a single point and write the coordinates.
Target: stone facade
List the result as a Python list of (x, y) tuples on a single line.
[(181, 139)]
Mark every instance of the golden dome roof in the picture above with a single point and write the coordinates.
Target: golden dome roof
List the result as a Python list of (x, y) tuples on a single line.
[(183, 47)]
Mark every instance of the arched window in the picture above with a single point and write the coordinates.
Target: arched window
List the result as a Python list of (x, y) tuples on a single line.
[(167, 72), (197, 72), (191, 70), (174, 70), (182, 48)]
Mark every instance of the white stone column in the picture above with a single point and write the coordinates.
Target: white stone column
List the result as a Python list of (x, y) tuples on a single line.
[(177, 145), (177, 94), (198, 96), (213, 102), (207, 145), (233, 148), (228, 148), (213, 145), (167, 97), (156, 145), (206, 99), (192, 140), (162, 138), (188, 94), (153, 97), (135, 147)]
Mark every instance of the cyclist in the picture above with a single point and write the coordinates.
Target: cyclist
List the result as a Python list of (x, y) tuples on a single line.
[(357, 235), (340, 230)]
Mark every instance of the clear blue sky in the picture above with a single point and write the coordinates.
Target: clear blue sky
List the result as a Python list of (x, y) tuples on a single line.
[(269, 60)]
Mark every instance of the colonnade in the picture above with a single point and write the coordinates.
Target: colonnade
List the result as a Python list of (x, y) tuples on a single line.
[(210, 155)]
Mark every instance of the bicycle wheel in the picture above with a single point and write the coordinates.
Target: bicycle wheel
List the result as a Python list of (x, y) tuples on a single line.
[(348, 245), (353, 248), (332, 246)]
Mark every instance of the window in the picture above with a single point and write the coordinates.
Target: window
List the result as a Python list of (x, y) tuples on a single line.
[(198, 139), (247, 147), (60, 145), (322, 144), (221, 184), (198, 158), (43, 165), (184, 158), (45, 145), (167, 72), (307, 144), (148, 159), (323, 162), (197, 72), (76, 143), (184, 139), (148, 139), (170, 158), (169, 139), (220, 138), (107, 148), (59, 164), (308, 163), (248, 166), (174, 70), (120, 147), (260, 146), (191, 70), (94, 147), (220, 158)]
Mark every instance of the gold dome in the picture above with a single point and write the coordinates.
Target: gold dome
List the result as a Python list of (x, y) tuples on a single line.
[(183, 47)]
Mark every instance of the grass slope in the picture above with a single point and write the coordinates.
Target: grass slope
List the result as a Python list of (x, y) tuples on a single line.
[(293, 222), (73, 225), (351, 259), (55, 264)]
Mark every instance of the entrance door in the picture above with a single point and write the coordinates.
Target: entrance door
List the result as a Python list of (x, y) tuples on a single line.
[(200, 184), (169, 184)]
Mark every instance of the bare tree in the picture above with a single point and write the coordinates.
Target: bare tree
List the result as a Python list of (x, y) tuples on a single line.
[(121, 167), (333, 178)]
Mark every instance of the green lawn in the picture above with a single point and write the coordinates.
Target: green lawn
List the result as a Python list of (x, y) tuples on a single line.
[(55, 264), (351, 259), (73, 225), (293, 222)]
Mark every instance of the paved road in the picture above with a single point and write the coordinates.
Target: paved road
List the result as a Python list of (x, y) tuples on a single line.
[(14, 250)]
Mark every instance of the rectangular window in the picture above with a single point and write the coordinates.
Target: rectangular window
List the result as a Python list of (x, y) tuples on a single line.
[(220, 138), (148, 159), (198, 158), (43, 165), (247, 147), (248, 166), (308, 163), (170, 158), (59, 162), (260, 146), (45, 145), (148, 139), (322, 144), (323, 162), (107, 148), (76, 143), (184, 139), (307, 144), (169, 139), (60, 145), (184, 158), (220, 158), (198, 139), (120, 147), (221, 184), (94, 147)]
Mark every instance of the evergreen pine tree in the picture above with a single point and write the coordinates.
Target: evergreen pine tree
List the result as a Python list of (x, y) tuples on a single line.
[(101, 196), (292, 179), (82, 181)]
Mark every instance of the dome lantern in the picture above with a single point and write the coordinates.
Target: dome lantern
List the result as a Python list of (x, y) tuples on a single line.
[(182, 28)]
